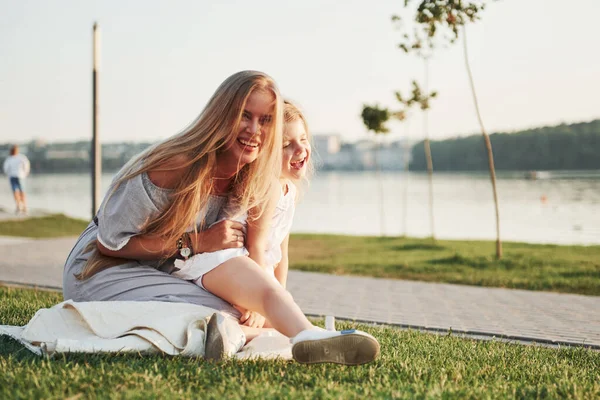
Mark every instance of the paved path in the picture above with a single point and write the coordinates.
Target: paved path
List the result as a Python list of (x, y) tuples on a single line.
[(515, 314), (34, 262)]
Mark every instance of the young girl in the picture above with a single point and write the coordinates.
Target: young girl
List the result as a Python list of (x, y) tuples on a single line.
[(268, 236)]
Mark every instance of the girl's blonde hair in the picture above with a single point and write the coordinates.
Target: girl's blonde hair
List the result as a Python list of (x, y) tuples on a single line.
[(292, 113), (212, 132)]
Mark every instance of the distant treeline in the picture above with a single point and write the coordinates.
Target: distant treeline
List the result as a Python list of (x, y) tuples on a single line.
[(575, 146), (69, 165)]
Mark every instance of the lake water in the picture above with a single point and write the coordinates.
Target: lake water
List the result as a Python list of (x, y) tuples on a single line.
[(563, 207)]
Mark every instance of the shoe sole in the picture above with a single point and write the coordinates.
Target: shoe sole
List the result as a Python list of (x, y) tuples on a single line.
[(349, 349), (214, 348)]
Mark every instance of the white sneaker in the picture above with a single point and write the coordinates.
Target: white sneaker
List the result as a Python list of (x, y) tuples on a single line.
[(224, 337), (348, 347)]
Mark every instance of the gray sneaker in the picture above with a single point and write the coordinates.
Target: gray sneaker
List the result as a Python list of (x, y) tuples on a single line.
[(224, 337), (348, 347)]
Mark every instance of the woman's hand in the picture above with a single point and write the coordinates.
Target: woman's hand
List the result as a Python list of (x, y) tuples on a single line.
[(225, 234), (251, 318)]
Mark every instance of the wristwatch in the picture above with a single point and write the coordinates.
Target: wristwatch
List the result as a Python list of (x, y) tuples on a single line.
[(183, 246)]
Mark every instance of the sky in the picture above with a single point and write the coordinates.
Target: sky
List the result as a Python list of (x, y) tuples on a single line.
[(533, 64)]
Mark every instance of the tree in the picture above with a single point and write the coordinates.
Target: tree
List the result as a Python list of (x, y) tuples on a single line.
[(574, 146), (418, 98), (447, 18), (375, 119), (425, 53)]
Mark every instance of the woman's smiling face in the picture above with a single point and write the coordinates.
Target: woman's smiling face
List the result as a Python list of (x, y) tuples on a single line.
[(256, 117), (296, 150)]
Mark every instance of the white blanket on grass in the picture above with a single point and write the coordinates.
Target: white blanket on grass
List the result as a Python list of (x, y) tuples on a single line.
[(131, 326)]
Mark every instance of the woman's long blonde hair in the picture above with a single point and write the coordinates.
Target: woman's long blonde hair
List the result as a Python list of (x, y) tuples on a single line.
[(213, 131)]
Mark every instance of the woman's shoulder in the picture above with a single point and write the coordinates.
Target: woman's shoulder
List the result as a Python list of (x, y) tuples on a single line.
[(167, 175)]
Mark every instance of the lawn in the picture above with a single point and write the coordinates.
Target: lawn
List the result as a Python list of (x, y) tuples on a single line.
[(43, 227), (412, 365), (568, 269)]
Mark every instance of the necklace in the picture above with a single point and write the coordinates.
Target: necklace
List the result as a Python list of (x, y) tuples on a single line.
[(221, 186)]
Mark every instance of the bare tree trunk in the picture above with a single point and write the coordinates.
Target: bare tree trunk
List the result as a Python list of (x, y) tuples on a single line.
[(488, 145), (406, 178), (380, 188), (428, 150)]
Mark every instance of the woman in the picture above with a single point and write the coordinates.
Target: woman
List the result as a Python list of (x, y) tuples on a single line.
[(163, 204)]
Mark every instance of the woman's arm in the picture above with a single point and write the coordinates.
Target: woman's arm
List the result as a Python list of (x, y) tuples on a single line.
[(281, 272), (257, 236), (141, 247), (222, 235)]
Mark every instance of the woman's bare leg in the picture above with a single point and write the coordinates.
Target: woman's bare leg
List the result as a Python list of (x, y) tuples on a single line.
[(241, 281)]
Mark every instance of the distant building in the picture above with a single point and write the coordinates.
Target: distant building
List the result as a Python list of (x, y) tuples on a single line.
[(329, 153), (327, 144), (67, 154), (332, 154), (325, 148)]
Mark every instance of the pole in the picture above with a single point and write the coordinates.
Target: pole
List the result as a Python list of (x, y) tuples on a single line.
[(96, 154)]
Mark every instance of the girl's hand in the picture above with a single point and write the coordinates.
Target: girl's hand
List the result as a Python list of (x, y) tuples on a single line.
[(250, 318), (224, 234)]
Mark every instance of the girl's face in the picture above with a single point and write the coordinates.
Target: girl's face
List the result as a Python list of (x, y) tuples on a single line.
[(296, 150), (256, 118)]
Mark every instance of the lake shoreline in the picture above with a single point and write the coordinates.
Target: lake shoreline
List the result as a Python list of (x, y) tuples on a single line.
[(556, 209)]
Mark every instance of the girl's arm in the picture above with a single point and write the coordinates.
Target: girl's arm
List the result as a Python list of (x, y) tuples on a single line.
[(281, 272), (257, 235)]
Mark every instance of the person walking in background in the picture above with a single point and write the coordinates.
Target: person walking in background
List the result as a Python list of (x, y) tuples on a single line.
[(17, 167)]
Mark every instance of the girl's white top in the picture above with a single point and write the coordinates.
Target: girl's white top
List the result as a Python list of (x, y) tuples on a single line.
[(281, 224)]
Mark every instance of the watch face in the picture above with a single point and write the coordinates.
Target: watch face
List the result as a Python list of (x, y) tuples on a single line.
[(185, 252)]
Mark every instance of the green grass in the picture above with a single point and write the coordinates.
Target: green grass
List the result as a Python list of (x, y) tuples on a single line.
[(50, 226), (570, 269), (412, 365)]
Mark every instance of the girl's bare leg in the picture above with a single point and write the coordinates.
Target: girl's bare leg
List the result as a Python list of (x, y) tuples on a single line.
[(267, 325), (241, 281), (251, 333)]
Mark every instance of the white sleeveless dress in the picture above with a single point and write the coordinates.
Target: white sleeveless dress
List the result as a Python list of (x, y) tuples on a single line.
[(197, 266)]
